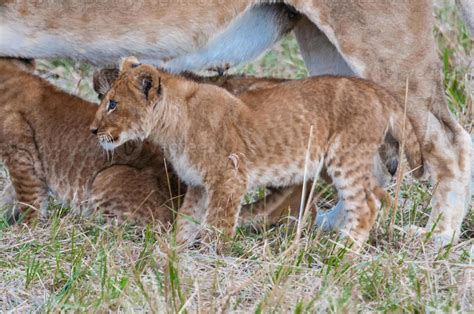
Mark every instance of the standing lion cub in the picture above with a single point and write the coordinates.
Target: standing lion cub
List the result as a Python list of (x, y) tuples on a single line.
[(221, 147)]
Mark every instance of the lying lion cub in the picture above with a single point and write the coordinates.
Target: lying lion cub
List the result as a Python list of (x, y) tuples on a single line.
[(46, 147), (221, 147)]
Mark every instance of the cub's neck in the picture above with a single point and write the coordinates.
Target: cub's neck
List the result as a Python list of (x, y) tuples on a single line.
[(188, 108), (12, 67)]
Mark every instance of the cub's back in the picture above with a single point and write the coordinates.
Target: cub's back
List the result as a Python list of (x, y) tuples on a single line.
[(339, 101)]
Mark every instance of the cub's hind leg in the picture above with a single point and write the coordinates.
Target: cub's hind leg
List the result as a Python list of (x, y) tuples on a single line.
[(30, 187), (333, 218), (21, 158), (352, 174)]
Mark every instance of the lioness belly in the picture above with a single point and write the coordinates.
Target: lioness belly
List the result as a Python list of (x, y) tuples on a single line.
[(195, 41)]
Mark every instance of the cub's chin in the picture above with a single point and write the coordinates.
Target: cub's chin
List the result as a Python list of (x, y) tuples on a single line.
[(109, 146)]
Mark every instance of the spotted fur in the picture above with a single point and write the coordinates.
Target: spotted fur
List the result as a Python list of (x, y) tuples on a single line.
[(232, 144), (47, 149)]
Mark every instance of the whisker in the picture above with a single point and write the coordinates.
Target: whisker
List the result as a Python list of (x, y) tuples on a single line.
[(111, 140)]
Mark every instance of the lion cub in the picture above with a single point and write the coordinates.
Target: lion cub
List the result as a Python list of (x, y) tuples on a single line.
[(46, 148), (221, 147)]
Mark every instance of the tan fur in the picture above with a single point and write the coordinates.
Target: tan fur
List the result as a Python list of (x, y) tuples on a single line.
[(46, 148), (387, 42), (222, 146), (281, 203)]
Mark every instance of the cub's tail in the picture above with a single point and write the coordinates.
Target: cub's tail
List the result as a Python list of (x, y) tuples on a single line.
[(401, 129)]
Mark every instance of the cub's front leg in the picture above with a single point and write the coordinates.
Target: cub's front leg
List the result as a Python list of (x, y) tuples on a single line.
[(191, 214), (224, 198)]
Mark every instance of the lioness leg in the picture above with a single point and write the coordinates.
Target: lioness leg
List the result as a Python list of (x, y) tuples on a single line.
[(320, 55), (364, 36), (448, 159)]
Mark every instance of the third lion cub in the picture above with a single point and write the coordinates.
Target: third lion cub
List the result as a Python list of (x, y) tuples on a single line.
[(221, 147)]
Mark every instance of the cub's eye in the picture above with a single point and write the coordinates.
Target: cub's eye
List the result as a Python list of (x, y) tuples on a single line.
[(112, 105)]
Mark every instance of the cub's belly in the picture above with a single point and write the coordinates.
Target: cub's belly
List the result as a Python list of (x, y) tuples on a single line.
[(283, 175)]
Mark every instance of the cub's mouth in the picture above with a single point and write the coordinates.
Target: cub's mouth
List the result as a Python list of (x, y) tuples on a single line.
[(109, 142)]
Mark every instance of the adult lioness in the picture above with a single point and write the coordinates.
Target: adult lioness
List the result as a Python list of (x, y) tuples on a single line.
[(390, 43), (46, 148)]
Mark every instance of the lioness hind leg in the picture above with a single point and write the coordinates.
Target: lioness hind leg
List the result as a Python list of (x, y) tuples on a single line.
[(448, 161), (383, 58)]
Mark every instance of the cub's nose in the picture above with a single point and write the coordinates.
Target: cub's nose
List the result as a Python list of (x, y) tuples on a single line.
[(94, 130)]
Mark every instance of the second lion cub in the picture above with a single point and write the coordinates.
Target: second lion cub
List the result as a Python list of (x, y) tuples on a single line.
[(221, 147)]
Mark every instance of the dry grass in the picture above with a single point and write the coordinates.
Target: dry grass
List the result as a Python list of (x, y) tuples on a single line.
[(73, 265)]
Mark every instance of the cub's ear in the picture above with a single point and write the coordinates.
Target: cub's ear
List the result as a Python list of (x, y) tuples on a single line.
[(103, 80), (148, 78), (145, 80), (128, 63)]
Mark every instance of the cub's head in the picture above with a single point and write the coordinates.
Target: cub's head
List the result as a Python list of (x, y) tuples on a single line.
[(103, 79), (126, 109)]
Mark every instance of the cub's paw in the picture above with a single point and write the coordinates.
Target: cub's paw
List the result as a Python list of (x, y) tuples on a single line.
[(352, 240), (332, 219), (188, 233)]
